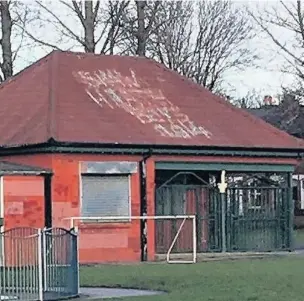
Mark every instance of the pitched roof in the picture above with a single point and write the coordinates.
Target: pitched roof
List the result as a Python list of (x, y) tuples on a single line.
[(291, 121), (73, 97)]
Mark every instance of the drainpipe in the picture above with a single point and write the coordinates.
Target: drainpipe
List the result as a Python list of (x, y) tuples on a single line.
[(222, 188), (48, 200), (143, 205)]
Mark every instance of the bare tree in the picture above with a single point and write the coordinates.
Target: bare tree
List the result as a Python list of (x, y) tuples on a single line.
[(6, 45), (11, 14), (252, 100), (138, 25), (171, 41), (80, 24), (285, 20), (203, 40)]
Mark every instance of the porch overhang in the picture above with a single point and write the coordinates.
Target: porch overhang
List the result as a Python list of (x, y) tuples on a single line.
[(237, 167)]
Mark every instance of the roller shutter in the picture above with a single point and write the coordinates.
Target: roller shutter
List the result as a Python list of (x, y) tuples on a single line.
[(105, 196)]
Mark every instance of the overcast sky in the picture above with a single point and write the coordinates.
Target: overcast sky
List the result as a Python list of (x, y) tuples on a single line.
[(266, 79)]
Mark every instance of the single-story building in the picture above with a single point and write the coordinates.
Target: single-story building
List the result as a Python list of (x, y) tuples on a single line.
[(120, 136)]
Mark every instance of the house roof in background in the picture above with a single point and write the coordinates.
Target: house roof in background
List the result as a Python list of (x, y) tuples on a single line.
[(7, 168), (292, 122), (76, 97)]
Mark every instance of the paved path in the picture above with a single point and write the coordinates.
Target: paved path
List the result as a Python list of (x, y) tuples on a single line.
[(115, 292)]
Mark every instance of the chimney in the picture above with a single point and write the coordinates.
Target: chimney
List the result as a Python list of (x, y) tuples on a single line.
[(268, 101)]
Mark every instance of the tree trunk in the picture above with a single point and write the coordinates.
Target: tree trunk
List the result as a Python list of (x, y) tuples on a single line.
[(6, 27), (89, 27), (141, 31)]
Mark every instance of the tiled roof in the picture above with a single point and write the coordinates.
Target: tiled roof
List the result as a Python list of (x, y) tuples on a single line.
[(73, 97), (292, 122)]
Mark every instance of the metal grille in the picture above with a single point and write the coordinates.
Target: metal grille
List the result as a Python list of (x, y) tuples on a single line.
[(105, 196), (256, 215), (257, 219), (60, 264)]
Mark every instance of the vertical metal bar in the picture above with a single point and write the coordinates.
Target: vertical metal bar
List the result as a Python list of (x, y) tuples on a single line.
[(4, 263), (18, 248), (200, 220), (9, 268), (77, 259), (44, 263), (22, 274), (1, 264), (223, 215), (291, 213), (40, 264), (194, 239), (26, 268)]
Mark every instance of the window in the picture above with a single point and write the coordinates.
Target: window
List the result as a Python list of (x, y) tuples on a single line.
[(104, 196)]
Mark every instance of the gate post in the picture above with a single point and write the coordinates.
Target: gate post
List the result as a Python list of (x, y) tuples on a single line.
[(222, 188), (290, 212), (40, 249), (75, 259)]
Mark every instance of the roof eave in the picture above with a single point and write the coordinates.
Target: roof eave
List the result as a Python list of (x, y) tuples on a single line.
[(142, 149)]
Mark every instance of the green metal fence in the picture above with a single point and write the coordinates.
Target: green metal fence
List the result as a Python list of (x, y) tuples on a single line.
[(258, 219), (38, 264)]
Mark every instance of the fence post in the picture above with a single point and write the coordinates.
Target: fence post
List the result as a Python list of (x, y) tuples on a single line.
[(290, 212), (222, 188), (74, 265), (44, 257), (40, 264), (77, 257)]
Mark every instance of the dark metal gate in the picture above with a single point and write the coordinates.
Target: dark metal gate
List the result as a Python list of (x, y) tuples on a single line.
[(178, 197), (257, 216)]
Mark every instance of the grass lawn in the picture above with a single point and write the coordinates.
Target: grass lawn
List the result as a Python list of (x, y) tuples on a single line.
[(299, 237), (277, 279)]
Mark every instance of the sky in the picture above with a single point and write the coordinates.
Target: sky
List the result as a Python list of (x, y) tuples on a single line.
[(266, 79)]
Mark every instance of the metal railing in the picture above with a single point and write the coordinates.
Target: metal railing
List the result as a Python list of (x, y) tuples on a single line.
[(38, 264)]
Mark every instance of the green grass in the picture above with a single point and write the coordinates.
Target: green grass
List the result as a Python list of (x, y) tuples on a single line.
[(299, 237), (277, 279)]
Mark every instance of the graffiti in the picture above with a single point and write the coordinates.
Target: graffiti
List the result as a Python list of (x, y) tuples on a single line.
[(150, 106), (14, 208), (62, 190)]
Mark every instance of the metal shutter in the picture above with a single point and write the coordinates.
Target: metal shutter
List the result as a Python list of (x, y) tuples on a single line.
[(105, 196)]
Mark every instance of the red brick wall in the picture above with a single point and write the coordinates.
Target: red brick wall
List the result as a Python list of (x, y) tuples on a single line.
[(23, 201), (97, 242)]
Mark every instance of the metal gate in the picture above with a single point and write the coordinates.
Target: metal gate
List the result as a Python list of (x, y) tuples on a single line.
[(38, 264), (256, 218), (198, 198)]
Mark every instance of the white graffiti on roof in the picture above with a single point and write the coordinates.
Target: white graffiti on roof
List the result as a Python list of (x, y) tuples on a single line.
[(148, 105)]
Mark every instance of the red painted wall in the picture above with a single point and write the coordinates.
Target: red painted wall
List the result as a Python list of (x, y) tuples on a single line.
[(105, 242), (23, 202), (97, 242)]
